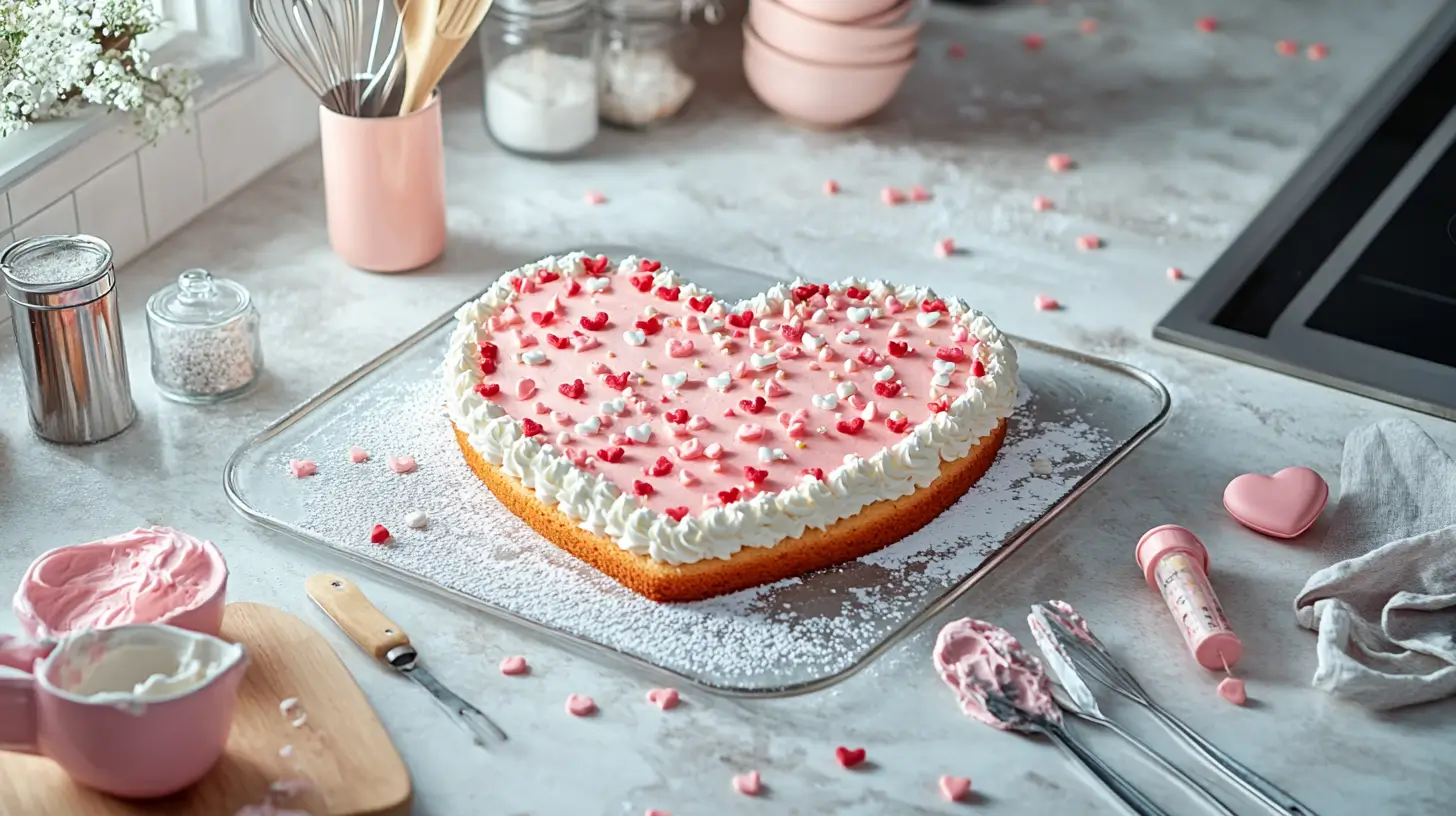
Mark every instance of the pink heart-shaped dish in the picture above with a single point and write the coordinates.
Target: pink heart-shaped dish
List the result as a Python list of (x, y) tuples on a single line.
[(820, 421), (1283, 505)]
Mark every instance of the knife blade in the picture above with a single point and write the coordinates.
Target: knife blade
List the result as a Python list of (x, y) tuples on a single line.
[(381, 637)]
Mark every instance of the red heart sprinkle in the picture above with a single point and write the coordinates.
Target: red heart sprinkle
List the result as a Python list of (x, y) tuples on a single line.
[(487, 390), (805, 292), (572, 390), (951, 354), (595, 266), (753, 474), (793, 334), (573, 287), (519, 283), (978, 369), (611, 455), (887, 389), (849, 757), (378, 535), (642, 282), (649, 266), (558, 342), (817, 473), (543, 319), (668, 293), (661, 467), (677, 417), (742, 320), (936, 305), (650, 326), (937, 407), (641, 488), (489, 351), (869, 357), (700, 304), (530, 427), (676, 513), (752, 406), (546, 276), (856, 294), (487, 366), (595, 323), (617, 382), (897, 425), (729, 496), (850, 426), (898, 349)]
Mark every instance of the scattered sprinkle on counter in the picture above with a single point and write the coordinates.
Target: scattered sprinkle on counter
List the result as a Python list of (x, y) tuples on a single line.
[(303, 468), (831, 187), (1207, 25), (1175, 274), (1042, 204), (594, 198), (1317, 51), (1087, 26), (1046, 303), (892, 196), (1286, 48), (378, 534), (1059, 162), (1087, 243), (1033, 42), (944, 248)]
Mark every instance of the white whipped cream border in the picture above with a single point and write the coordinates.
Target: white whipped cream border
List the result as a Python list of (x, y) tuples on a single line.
[(599, 507)]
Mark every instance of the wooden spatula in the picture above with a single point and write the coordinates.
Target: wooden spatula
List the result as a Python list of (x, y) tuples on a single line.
[(451, 25)]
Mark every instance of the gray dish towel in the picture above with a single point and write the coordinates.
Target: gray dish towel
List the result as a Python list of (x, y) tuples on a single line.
[(1386, 615)]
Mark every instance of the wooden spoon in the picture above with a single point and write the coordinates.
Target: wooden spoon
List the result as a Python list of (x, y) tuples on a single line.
[(454, 23), (419, 41)]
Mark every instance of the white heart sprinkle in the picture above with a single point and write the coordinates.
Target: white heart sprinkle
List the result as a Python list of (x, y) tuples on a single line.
[(417, 520), (813, 342), (697, 423), (898, 329), (589, 427), (763, 361), (595, 284), (634, 337), (942, 380), (721, 339), (534, 358), (616, 407), (640, 433), (826, 401), (850, 337), (844, 389), (927, 319), (493, 411), (859, 314), (713, 451), (672, 382), (942, 366), (886, 373), (709, 324), (870, 412), (820, 316), (720, 381)]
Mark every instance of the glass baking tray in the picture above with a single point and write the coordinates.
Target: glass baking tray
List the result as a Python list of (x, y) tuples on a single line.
[(1077, 417)]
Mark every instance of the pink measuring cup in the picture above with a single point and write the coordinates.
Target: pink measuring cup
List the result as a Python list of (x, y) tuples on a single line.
[(1175, 563)]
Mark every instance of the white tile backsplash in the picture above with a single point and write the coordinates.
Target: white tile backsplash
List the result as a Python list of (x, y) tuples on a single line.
[(57, 219), (109, 206), (172, 181), (254, 129), (59, 178)]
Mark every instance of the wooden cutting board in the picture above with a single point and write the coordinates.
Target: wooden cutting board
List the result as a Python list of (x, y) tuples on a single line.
[(342, 749)]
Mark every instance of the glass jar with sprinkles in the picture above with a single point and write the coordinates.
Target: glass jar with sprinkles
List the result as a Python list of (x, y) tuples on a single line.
[(205, 344), (650, 58)]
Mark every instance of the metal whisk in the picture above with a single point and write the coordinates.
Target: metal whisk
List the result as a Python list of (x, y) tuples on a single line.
[(333, 47)]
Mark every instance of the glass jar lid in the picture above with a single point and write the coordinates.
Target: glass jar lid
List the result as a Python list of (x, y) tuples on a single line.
[(539, 8), (663, 9), (199, 299)]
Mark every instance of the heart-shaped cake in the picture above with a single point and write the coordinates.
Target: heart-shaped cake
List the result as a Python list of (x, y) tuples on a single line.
[(689, 447)]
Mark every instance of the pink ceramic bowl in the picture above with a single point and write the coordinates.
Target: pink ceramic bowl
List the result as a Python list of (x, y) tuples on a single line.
[(815, 94), (828, 43), (841, 11)]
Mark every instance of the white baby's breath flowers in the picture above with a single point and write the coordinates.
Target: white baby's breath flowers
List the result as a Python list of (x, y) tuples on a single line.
[(60, 56)]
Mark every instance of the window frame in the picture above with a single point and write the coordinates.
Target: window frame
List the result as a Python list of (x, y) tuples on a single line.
[(220, 44)]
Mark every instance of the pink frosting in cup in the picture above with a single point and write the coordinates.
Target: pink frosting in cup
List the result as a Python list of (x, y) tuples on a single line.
[(154, 575), (973, 655)]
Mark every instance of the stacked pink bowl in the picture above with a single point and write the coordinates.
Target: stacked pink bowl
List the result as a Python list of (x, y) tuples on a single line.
[(829, 63)]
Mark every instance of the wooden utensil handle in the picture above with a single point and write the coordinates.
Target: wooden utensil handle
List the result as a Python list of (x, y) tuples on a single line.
[(341, 600)]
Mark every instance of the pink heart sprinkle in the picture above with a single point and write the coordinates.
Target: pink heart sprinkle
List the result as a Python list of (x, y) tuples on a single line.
[(303, 468), (785, 418), (497, 324), (584, 342), (651, 812), (1232, 689), (798, 430), (955, 788), (525, 388), (1041, 203), (620, 440), (857, 401), (1045, 303), (687, 478), (893, 305), (514, 665), (358, 455), (543, 408), (1175, 274), (561, 418), (525, 340), (679, 348), (898, 330), (689, 450), (740, 370), (663, 698), (747, 784), (959, 334), (1089, 242), (511, 316), (716, 467), (774, 389), (837, 303), (944, 248), (401, 464), (918, 193), (580, 705), (750, 432), (697, 423), (594, 198)]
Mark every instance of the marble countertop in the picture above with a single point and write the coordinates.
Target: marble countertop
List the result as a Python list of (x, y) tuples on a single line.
[(1179, 138)]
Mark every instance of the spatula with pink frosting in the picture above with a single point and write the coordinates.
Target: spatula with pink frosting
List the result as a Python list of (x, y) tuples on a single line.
[(997, 682)]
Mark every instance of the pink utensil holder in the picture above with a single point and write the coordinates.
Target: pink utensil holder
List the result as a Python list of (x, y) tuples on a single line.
[(384, 187)]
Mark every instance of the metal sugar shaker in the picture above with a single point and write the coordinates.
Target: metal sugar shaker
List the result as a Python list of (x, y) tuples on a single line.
[(204, 334), (68, 332)]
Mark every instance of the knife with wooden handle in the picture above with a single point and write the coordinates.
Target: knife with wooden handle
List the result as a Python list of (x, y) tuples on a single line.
[(381, 637)]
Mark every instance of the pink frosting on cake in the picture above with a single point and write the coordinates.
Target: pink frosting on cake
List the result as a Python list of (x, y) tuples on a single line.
[(147, 575), (593, 364)]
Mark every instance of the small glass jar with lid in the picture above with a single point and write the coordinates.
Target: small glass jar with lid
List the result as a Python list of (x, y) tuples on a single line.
[(649, 61), (541, 61), (204, 335)]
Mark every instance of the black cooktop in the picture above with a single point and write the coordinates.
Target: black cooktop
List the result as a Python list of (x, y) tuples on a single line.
[(1348, 276)]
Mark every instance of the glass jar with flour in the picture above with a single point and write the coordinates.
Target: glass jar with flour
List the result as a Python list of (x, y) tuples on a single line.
[(541, 75), (649, 59)]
